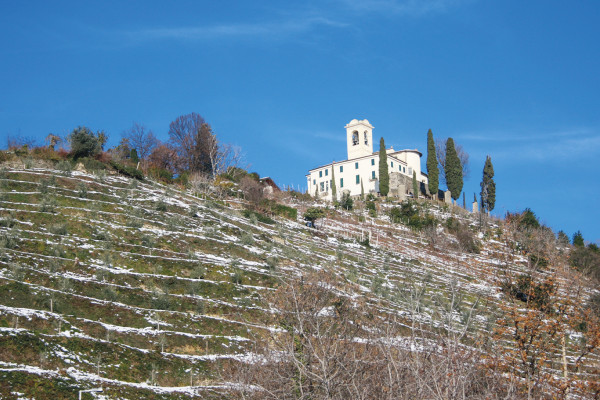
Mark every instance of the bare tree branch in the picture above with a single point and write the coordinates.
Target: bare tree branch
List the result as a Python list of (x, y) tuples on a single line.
[(440, 155), (191, 138), (142, 140)]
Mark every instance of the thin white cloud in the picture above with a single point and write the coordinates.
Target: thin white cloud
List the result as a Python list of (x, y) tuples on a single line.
[(570, 147), (414, 8), (558, 145), (310, 19), (311, 147), (523, 136), (334, 137), (271, 30)]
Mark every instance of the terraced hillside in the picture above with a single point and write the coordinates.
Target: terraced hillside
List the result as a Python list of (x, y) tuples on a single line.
[(151, 291)]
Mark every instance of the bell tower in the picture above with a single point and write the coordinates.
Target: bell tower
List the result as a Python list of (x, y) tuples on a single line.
[(359, 138)]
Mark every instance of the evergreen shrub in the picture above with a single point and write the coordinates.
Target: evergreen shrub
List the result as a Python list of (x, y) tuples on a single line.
[(161, 205), (84, 143), (408, 214), (237, 277), (260, 217), (247, 239), (346, 202), (82, 190), (64, 167), (525, 289), (126, 170), (464, 235), (22, 151), (5, 156), (91, 164), (46, 153)]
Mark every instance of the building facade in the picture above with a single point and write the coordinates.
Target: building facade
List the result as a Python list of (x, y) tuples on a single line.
[(360, 171)]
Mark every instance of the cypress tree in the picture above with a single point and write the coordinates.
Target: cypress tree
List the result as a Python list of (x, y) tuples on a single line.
[(333, 187), (563, 239), (578, 239), (432, 166), (529, 220), (384, 177), (488, 186), (362, 189), (133, 155), (415, 185), (453, 170)]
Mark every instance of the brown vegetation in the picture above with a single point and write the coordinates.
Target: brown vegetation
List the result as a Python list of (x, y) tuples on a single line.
[(328, 347)]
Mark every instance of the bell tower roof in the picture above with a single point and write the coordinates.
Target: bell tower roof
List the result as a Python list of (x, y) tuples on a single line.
[(355, 122)]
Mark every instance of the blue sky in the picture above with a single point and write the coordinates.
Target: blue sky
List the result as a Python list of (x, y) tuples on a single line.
[(516, 80)]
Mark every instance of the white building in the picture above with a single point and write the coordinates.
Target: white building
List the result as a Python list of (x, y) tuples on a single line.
[(362, 166)]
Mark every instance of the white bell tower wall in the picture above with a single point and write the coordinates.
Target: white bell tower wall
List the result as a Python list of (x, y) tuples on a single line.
[(359, 138)]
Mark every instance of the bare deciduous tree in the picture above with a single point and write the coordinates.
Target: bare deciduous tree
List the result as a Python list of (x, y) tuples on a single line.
[(52, 140), (224, 157), (201, 183), (142, 140), (13, 142), (199, 149), (328, 347), (440, 154), (253, 190), (190, 137), (164, 157), (311, 356)]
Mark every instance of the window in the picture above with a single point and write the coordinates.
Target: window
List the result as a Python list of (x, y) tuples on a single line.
[(314, 181), (357, 179), (404, 169), (354, 138), (400, 168), (320, 174), (372, 161), (410, 171), (322, 186), (373, 174), (366, 138), (355, 165), (326, 172), (341, 182), (392, 164), (341, 168), (327, 186)]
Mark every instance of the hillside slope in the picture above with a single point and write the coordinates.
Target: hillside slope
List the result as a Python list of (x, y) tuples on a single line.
[(152, 292)]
